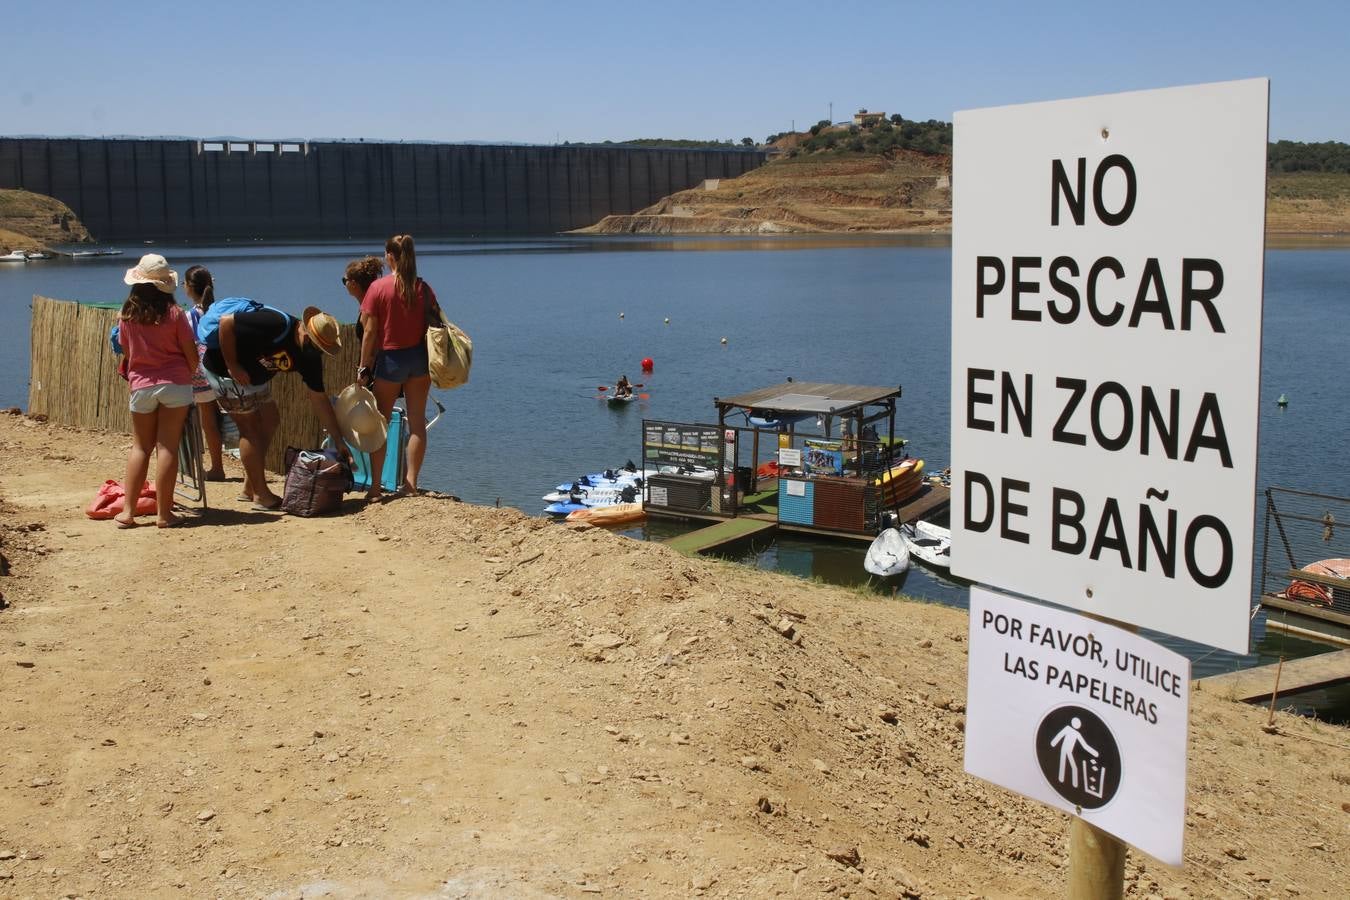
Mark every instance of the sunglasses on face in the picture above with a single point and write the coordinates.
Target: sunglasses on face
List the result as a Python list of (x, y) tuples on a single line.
[(344, 280)]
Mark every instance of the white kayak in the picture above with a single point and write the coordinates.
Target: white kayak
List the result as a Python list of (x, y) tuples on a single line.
[(702, 473), (888, 555), (929, 543)]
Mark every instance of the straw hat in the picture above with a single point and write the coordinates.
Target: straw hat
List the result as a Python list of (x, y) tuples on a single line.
[(153, 269), (359, 418), (323, 330)]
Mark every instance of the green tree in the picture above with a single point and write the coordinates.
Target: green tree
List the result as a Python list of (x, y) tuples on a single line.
[(747, 142)]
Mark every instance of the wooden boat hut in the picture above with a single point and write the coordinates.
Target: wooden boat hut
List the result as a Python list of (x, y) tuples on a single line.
[(811, 457)]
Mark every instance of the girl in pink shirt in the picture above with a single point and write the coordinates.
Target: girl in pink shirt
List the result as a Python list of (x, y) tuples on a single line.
[(161, 357)]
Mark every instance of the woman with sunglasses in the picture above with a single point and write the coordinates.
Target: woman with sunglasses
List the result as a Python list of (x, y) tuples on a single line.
[(357, 279)]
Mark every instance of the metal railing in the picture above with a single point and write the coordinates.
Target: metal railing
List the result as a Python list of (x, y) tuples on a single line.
[(1301, 529)]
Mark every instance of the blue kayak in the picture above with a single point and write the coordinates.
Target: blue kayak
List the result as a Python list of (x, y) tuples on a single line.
[(562, 509)]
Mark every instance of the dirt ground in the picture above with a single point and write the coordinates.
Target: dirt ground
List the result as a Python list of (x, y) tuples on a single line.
[(430, 699)]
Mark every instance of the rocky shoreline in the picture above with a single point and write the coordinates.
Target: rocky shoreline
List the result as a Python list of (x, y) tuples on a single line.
[(34, 222)]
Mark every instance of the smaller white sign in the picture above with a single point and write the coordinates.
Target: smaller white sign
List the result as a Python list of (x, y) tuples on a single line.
[(791, 457), (1082, 716), (657, 496), (796, 488)]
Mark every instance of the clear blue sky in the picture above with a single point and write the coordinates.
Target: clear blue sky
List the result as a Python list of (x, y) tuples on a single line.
[(590, 71)]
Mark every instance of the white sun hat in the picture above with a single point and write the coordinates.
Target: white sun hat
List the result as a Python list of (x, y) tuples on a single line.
[(153, 269)]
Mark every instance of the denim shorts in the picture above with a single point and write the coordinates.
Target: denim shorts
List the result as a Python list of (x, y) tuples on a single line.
[(233, 397), (400, 365), (149, 399)]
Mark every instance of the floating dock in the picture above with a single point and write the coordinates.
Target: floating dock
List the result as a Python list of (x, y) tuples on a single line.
[(1298, 675), (727, 534), (837, 468), (723, 536), (1306, 620)]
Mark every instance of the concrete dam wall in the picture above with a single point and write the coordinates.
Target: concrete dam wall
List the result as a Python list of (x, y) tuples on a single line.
[(154, 189)]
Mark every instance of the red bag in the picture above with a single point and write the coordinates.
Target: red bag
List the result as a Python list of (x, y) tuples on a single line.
[(110, 499)]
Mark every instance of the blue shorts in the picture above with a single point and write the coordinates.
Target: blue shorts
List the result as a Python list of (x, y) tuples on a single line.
[(398, 366)]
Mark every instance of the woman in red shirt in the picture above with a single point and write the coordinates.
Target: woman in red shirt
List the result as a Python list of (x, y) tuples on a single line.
[(161, 357), (394, 352)]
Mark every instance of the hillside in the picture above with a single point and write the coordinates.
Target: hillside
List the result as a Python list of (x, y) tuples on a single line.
[(905, 191), (31, 221), (1308, 203), (902, 191), (425, 698)]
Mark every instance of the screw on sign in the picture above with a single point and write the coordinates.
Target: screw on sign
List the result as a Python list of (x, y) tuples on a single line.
[(1078, 756)]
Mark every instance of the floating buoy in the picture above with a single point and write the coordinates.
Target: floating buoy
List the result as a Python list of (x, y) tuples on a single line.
[(1283, 401), (620, 315), (667, 320), (647, 364), (724, 340)]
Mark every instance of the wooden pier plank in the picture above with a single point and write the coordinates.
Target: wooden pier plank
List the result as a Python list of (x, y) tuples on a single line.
[(935, 498), (1251, 685), (725, 533)]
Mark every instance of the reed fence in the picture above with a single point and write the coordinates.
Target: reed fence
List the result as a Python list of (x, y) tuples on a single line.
[(74, 380)]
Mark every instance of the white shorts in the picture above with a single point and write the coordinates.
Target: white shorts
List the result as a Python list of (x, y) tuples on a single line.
[(149, 399)]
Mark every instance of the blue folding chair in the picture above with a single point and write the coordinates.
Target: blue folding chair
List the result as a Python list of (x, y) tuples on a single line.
[(395, 456)]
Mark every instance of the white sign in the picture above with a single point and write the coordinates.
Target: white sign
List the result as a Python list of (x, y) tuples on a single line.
[(1106, 352), (790, 457), (658, 496), (796, 488), (1080, 715)]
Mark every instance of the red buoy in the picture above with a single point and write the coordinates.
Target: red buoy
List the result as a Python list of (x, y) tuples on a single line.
[(647, 364)]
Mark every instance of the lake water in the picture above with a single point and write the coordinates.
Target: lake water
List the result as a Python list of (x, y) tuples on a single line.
[(553, 318)]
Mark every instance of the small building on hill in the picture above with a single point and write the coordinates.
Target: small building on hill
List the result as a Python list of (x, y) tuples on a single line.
[(864, 119)]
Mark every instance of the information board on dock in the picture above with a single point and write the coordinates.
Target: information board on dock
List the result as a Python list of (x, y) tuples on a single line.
[(1082, 716), (676, 444), (1107, 265)]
